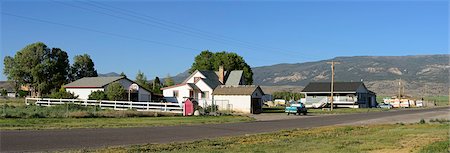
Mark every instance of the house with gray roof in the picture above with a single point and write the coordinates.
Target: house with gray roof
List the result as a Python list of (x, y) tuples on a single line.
[(201, 84), (345, 94), (85, 86)]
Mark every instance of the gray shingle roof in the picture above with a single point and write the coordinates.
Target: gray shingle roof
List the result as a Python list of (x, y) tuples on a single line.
[(338, 86), (234, 78), (236, 90), (8, 86), (92, 82)]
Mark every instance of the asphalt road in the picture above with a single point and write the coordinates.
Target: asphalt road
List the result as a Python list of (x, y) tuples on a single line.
[(51, 140)]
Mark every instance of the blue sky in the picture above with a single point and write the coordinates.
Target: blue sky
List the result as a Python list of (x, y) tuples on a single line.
[(161, 37)]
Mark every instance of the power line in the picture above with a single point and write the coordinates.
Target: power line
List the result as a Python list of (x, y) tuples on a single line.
[(112, 34), (177, 25), (97, 31), (189, 33)]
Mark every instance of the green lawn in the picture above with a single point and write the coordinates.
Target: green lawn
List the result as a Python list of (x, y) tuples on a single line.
[(345, 139), (70, 123)]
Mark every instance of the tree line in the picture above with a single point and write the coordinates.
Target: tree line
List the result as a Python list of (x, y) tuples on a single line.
[(44, 70)]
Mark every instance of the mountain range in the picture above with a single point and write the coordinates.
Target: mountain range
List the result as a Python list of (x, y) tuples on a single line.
[(419, 74)]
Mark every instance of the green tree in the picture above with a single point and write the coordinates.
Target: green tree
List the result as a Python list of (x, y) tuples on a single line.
[(98, 95), (39, 67), (83, 66), (168, 81), (63, 94), (287, 95), (156, 86), (207, 60), (115, 91), (3, 92), (142, 81), (123, 74)]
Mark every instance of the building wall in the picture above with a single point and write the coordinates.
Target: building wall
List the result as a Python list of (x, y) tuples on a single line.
[(234, 103), (204, 87), (183, 91), (83, 93), (198, 74)]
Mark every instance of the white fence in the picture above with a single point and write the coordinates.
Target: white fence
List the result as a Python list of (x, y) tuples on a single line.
[(116, 105)]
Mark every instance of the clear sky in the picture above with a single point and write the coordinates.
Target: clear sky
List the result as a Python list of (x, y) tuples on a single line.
[(162, 37)]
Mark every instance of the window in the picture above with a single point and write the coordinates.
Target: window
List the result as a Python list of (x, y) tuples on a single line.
[(175, 93), (196, 79), (205, 95), (191, 93)]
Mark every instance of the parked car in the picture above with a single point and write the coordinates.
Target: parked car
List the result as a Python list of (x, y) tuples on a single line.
[(296, 108), (385, 106)]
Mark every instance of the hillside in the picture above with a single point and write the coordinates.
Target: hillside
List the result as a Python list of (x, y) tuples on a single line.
[(421, 74)]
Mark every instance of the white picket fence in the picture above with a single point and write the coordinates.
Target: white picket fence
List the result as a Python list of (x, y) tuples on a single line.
[(116, 105)]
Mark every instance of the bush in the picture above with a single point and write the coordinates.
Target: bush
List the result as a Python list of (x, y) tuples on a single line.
[(22, 93), (115, 91), (63, 94), (98, 95)]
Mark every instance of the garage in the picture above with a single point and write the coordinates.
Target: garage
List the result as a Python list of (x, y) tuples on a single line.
[(239, 99)]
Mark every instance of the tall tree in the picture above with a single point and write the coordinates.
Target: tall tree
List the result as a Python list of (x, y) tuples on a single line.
[(83, 66), (168, 81), (156, 86), (207, 60), (142, 81), (39, 67)]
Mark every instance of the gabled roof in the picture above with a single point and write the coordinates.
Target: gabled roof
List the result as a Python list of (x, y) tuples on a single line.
[(236, 90), (338, 86), (8, 86), (92, 82), (234, 78)]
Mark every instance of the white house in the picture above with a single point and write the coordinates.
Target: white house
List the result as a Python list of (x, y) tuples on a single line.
[(201, 84), (242, 98), (346, 94), (85, 86)]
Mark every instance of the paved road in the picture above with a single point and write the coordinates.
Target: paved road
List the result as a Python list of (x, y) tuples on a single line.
[(48, 140)]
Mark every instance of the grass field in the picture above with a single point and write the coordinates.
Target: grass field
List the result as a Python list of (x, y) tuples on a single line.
[(346, 139), (70, 123)]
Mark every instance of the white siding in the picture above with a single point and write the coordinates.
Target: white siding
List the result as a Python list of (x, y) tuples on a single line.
[(204, 87), (198, 74), (236, 103), (183, 91), (83, 93)]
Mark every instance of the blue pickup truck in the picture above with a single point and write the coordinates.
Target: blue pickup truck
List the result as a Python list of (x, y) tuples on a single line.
[(296, 108)]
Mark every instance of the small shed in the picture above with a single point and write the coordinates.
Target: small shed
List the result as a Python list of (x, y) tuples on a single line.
[(241, 98)]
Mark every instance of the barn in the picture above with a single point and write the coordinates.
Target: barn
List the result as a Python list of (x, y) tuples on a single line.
[(85, 86)]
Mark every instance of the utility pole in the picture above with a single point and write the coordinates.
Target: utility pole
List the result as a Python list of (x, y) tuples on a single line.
[(332, 81), (399, 89)]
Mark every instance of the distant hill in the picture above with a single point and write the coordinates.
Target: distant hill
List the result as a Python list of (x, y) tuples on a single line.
[(110, 74), (421, 74)]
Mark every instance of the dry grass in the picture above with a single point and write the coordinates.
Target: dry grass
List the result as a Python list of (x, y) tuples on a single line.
[(374, 138)]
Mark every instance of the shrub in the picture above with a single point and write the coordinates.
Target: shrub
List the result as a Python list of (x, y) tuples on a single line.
[(115, 91), (98, 95), (63, 94)]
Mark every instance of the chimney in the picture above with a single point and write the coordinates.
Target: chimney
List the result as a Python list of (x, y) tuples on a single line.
[(221, 74)]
